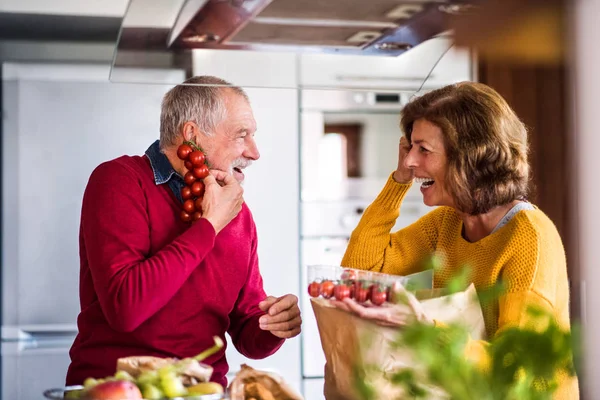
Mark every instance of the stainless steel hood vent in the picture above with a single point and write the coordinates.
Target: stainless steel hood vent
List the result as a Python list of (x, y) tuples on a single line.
[(161, 33)]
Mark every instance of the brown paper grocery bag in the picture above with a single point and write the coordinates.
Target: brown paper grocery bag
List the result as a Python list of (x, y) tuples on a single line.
[(350, 342)]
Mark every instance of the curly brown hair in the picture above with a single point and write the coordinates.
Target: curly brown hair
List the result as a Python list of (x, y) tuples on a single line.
[(485, 142)]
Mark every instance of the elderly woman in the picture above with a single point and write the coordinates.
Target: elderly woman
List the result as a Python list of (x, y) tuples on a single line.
[(467, 150)]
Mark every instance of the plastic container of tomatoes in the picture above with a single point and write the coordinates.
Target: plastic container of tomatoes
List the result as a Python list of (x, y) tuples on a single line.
[(335, 282)]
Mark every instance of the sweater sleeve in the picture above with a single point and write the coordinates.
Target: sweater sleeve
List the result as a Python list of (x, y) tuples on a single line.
[(374, 247), (246, 335), (115, 233)]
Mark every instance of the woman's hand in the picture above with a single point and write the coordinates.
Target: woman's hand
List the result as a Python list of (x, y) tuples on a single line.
[(406, 311), (402, 173)]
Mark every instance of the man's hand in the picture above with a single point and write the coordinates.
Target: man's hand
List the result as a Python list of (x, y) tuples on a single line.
[(282, 317), (223, 203)]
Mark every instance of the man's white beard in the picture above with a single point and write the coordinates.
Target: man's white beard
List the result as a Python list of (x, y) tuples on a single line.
[(241, 163)]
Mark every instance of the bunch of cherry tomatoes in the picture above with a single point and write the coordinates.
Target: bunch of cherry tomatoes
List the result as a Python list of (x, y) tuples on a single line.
[(351, 287), (195, 162)]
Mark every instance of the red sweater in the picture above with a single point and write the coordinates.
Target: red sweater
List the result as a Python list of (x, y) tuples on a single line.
[(151, 284)]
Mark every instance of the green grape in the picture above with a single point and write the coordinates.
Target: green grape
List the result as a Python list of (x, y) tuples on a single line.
[(90, 383), (148, 377), (73, 394), (167, 370), (151, 392), (172, 386), (124, 376)]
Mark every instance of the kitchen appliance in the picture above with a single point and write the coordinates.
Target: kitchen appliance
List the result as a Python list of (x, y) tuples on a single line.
[(332, 202), (59, 123), (155, 34)]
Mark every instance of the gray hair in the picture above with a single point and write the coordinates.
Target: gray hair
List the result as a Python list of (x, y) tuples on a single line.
[(198, 99)]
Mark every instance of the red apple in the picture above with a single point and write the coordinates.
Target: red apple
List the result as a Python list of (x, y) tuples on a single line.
[(114, 390)]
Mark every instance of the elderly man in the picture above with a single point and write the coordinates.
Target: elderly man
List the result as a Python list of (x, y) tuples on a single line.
[(152, 284)]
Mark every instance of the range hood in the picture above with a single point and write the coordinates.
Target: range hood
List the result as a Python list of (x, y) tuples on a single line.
[(165, 33)]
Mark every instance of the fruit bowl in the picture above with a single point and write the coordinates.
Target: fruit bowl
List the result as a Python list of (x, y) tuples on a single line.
[(69, 392)]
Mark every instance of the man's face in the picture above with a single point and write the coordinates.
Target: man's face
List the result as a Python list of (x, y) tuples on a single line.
[(232, 148)]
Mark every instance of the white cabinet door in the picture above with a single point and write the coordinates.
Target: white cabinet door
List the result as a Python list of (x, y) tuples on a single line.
[(404, 72), (31, 367), (248, 68), (313, 389), (315, 251)]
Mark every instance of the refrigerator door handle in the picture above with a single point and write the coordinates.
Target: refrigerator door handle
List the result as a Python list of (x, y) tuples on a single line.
[(43, 346), (26, 332)]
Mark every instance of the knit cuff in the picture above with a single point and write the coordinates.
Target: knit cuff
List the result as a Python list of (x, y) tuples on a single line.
[(393, 193)]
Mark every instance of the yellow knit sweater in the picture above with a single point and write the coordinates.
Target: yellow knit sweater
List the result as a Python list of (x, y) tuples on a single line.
[(526, 253)]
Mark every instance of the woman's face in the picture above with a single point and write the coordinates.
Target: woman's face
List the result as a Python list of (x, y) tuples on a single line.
[(427, 158)]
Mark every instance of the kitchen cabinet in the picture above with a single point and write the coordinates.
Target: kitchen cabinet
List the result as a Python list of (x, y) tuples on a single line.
[(406, 72)]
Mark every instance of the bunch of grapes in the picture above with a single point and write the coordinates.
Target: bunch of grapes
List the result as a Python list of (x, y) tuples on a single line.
[(195, 162), (150, 385)]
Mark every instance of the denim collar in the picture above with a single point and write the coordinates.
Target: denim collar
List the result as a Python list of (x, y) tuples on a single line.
[(161, 166)]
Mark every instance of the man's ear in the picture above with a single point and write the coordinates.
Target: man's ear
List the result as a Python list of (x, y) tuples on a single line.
[(190, 130)]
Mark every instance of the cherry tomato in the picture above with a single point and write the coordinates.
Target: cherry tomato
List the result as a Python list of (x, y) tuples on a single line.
[(361, 294), (184, 151), (371, 289), (186, 192), (341, 292), (314, 289), (198, 204), (197, 215), (185, 217), (188, 165), (197, 158), (378, 297), (189, 178), (327, 288), (198, 188), (188, 206), (200, 172), (348, 274)]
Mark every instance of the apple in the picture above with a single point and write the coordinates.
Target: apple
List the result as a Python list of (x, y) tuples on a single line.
[(114, 390)]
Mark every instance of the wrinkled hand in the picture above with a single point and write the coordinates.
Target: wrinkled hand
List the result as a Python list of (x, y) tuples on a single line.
[(282, 316), (223, 201), (402, 173), (407, 310)]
